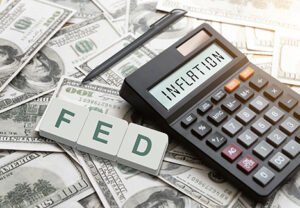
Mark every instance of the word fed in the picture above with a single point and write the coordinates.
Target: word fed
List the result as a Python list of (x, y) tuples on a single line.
[(105, 136)]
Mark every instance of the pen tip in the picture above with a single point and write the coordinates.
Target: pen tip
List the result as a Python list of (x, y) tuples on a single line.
[(83, 81)]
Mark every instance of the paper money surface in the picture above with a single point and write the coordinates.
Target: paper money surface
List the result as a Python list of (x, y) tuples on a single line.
[(259, 39), (116, 11), (17, 128), (41, 180), (61, 54), (286, 62), (120, 186), (102, 98), (118, 72), (264, 13), (85, 9), (23, 32), (202, 185), (142, 13)]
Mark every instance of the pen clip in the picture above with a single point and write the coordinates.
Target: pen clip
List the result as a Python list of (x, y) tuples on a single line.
[(173, 12)]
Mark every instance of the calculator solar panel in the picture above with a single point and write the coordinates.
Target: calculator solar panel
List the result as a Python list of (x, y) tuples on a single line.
[(243, 122)]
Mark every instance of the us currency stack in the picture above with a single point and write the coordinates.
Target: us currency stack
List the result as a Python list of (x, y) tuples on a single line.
[(48, 46)]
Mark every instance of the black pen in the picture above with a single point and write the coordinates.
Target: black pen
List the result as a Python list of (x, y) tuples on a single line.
[(154, 29)]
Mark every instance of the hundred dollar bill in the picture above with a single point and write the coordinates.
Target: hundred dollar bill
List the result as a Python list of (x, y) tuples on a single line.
[(85, 9), (117, 73), (102, 98), (61, 54), (286, 62), (17, 128), (202, 185), (120, 186), (180, 154), (259, 39), (142, 13), (116, 11), (41, 180), (264, 13), (23, 31)]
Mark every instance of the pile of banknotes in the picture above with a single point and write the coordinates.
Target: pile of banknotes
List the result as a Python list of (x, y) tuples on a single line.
[(48, 46)]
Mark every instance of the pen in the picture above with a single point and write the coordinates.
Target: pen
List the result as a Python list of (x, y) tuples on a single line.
[(154, 29)]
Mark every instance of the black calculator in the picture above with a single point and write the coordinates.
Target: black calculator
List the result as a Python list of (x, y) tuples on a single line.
[(242, 121)]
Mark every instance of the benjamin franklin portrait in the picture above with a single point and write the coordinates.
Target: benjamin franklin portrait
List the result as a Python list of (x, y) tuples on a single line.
[(8, 59), (41, 74)]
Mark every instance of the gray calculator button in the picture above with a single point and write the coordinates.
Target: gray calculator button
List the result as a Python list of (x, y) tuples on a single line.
[(274, 115), (217, 116), (245, 116), (232, 127), (276, 137), (289, 126), (263, 149), (291, 149), (263, 176), (247, 138), (261, 126), (259, 104), (279, 161)]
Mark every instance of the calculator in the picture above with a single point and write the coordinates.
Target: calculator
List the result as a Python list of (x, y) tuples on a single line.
[(243, 122)]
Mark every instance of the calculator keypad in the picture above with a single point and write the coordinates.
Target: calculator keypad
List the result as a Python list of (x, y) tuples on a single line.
[(251, 123)]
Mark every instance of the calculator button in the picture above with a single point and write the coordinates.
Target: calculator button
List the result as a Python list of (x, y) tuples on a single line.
[(247, 138), (279, 161), (259, 104), (261, 126), (188, 120), (287, 102), (218, 96), (289, 126), (244, 94), (245, 116), (216, 140), (204, 107), (272, 92), (297, 113), (258, 82), (291, 149), (232, 127), (263, 149), (231, 152), (276, 137), (263, 176), (274, 115), (230, 105), (217, 116), (232, 85), (201, 129), (247, 164), (246, 73)]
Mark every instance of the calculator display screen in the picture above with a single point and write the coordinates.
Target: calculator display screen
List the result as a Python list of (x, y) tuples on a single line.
[(184, 80)]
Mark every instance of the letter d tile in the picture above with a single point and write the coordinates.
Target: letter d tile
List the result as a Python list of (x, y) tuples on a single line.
[(143, 149)]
